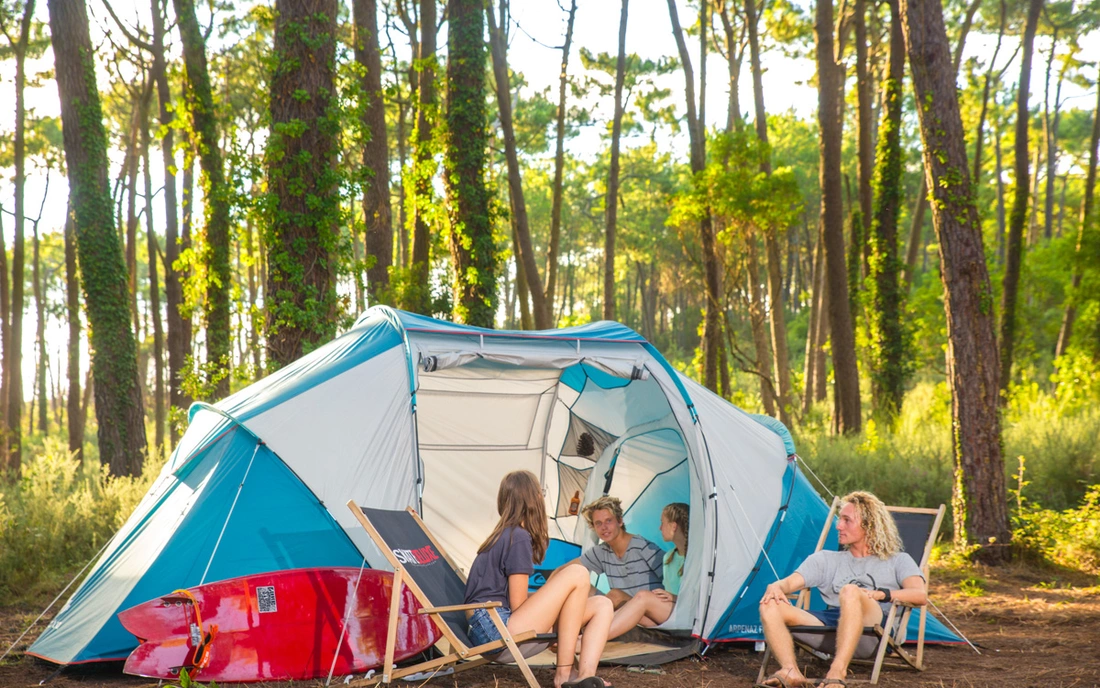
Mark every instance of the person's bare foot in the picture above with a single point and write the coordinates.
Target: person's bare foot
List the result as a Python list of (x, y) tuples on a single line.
[(785, 678)]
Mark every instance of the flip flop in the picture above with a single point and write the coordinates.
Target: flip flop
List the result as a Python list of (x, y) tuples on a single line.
[(589, 682), (831, 682), (782, 682)]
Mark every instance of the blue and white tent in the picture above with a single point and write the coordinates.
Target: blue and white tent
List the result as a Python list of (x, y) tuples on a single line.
[(404, 410)]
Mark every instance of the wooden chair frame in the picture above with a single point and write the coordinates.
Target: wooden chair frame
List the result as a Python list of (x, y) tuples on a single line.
[(892, 633), (458, 654)]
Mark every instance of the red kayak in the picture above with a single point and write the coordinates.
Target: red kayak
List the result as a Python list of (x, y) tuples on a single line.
[(278, 626)]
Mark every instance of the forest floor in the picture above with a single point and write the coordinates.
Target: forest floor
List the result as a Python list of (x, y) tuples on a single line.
[(1036, 628)]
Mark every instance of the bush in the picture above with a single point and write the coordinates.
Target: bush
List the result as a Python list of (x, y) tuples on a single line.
[(58, 516)]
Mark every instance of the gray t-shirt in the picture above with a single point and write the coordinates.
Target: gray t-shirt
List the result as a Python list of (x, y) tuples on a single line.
[(830, 571), (510, 554), (641, 568)]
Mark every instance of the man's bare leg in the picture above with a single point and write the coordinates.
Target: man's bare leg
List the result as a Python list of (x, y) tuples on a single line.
[(857, 610), (776, 617)]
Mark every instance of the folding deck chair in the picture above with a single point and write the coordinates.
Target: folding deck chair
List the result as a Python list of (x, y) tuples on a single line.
[(420, 564), (918, 529)]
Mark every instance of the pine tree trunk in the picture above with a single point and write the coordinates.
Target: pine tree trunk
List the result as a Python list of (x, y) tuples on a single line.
[(1087, 219), (847, 407), (114, 359), (472, 249), (216, 254), (611, 206), (865, 153), (757, 318), (1015, 248), (498, 43), (72, 314), (889, 369), (178, 331), (553, 256), (40, 336), (154, 300), (303, 235), (5, 344), (712, 298), (424, 163), (815, 332), (979, 498), (1052, 157), (777, 312), (1001, 213), (985, 100), (376, 197), (14, 355)]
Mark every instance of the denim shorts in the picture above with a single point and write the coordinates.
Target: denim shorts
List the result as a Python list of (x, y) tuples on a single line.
[(482, 629)]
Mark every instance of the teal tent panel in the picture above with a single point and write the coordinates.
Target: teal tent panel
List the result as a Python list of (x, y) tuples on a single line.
[(276, 524), (793, 537), (643, 517)]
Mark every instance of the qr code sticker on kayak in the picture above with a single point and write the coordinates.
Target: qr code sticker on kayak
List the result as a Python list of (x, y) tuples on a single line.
[(265, 596)]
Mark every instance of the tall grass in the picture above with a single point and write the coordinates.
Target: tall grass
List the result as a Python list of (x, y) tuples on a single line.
[(58, 515), (911, 464)]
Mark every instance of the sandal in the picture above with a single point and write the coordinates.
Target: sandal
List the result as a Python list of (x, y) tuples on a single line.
[(831, 682)]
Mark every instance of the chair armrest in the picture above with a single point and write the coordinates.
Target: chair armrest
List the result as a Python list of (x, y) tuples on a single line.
[(458, 608)]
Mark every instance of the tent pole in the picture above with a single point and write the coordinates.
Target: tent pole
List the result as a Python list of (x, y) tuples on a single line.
[(344, 628), (232, 506)]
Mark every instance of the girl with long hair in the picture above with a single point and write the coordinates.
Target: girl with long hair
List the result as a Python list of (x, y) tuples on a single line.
[(653, 607), (500, 573)]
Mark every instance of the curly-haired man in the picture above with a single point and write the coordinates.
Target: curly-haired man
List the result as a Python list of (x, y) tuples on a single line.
[(857, 583)]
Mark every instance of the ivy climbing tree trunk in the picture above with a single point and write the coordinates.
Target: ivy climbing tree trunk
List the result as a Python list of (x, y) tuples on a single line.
[(1018, 216), (472, 249), (846, 398), (419, 298), (178, 328), (498, 43), (978, 497), (118, 401), (152, 252), (890, 359), (559, 167), (216, 252), (611, 205), (376, 196), (302, 233), (73, 407)]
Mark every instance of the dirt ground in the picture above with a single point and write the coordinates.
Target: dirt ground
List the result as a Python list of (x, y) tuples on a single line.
[(1035, 628)]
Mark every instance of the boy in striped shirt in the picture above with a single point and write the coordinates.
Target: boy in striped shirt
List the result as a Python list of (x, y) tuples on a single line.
[(631, 563)]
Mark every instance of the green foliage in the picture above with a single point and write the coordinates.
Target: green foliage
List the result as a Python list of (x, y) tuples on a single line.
[(911, 463), (58, 515), (1068, 538)]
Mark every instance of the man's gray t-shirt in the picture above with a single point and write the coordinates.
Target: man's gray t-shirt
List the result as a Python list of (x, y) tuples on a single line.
[(641, 568), (830, 571)]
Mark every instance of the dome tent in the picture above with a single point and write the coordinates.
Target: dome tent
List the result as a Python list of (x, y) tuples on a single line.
[(404, 410)]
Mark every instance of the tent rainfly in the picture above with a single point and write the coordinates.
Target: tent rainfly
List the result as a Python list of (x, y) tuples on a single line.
[(404, 410)]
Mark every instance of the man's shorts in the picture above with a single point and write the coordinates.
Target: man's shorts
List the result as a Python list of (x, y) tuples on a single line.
[(831, 616)]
